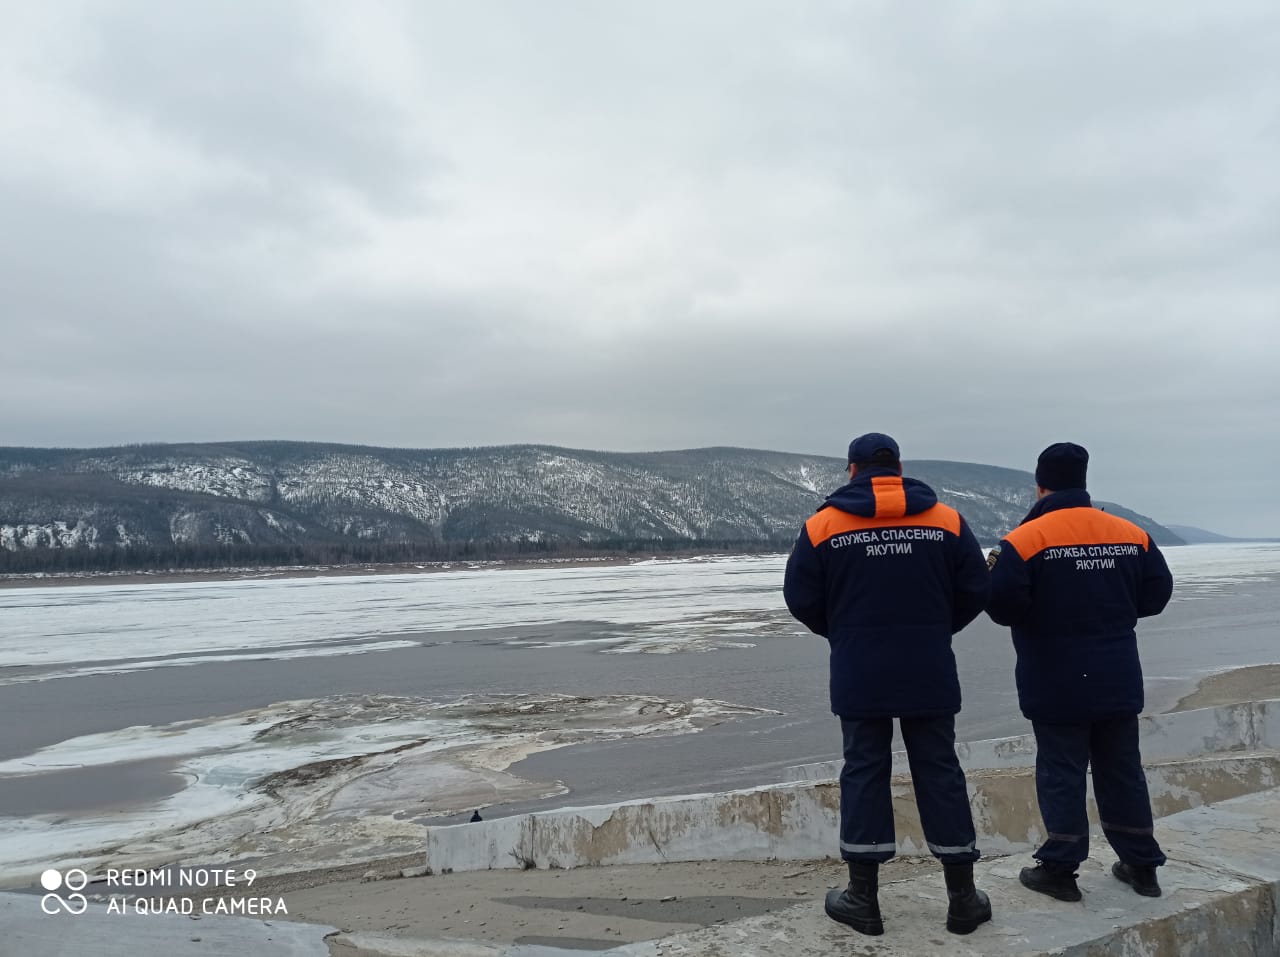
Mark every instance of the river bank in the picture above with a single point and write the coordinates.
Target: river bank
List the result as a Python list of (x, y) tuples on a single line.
[(1254, 683), (596, 907)]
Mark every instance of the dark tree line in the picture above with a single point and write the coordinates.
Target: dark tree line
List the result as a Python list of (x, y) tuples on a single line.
[(139, 558)]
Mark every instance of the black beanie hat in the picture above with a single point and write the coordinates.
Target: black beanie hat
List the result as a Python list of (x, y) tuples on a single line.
[(1062, 465)]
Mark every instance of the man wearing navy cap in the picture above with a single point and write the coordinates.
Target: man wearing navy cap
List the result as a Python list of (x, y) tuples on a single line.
[(1072, 581), (887, 575)]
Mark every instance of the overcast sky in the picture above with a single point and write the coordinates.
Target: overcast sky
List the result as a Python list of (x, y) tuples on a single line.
[(982, 227)]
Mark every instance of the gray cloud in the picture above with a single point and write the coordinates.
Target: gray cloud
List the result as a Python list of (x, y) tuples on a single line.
[(981, 228)]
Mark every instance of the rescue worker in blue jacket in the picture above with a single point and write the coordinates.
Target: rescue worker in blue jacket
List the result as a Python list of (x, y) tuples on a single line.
[(1072, 581), (887, 575)]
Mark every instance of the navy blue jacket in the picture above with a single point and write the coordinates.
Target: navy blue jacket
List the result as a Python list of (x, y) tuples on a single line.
[(887, 575), (1072, 581)]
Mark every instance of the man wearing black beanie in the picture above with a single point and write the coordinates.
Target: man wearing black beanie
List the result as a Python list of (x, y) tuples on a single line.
[(1072, 581)]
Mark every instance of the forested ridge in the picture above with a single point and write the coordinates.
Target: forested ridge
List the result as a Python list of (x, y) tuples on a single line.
[(295, 503)]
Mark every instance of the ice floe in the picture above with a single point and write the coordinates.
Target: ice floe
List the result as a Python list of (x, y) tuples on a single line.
[(662, 606)]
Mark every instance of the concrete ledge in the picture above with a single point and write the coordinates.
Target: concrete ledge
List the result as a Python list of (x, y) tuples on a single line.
[(1220, 900), (799, 821), (1251, 726), (753, 824)]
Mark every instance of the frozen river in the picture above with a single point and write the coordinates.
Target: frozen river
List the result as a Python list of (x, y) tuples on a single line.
[(174, 718)]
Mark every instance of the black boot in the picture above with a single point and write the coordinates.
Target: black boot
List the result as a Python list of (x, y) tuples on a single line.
[(1058, 884), (1141, 879), (969, 907), (856, 905)]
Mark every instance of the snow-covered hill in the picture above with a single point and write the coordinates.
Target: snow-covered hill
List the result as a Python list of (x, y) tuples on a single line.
[(271, 493)]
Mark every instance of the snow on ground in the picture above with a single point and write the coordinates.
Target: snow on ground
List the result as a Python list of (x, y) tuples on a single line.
[(808, 481), (48, 535), (227, 476)]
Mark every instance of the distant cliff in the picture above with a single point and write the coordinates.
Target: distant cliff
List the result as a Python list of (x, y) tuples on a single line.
[(258, 494)]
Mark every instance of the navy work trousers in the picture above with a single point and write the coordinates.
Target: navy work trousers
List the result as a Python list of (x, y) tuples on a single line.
[(866, 803), (1063, 752)]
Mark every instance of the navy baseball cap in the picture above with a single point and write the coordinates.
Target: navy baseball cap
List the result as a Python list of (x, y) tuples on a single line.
[(872, 449)]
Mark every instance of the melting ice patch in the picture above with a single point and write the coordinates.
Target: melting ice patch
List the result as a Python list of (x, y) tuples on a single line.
[(704, 632), (338, 778), (1203, 571)]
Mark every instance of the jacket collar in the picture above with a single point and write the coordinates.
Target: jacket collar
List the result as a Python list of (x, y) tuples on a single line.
[(1063, 498)]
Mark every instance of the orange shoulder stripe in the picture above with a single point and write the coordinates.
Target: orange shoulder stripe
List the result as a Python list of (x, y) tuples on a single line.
[(1075, 526), (832, 521)]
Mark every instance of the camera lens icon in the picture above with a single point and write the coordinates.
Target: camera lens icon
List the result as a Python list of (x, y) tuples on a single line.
[(73, 880)]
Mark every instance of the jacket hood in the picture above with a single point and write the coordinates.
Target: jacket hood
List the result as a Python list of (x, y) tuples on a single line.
[(882, 493)]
